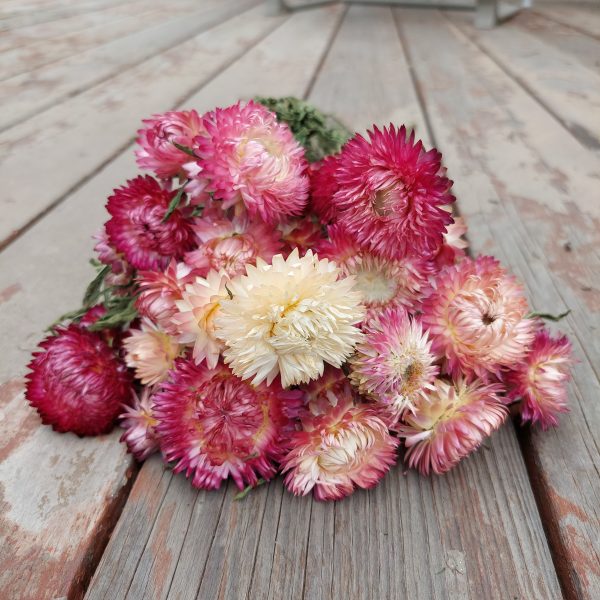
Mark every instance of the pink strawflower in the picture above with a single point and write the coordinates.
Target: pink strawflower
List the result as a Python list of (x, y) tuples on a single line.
[(392, 194), (476, 317), (341, 445), (215, 425), (303, 233), (382, 282), (231, 244), (137, 227), (158, 292), (157, 152), (76, 382), (540, 380), (453, 248), (139, 423), (150, 352), (248, 156), (121, 271), (323, 186), (394, 364), (196, 312), (450, 423)]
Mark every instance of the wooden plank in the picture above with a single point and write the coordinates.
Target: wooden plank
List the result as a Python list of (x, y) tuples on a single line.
[(28, 94), (25, 15), (22, 36), (53, 525), (567, 88), (109, 115), (583, 17), (411, 536), (29, 57), (530, 195), (584, 49)]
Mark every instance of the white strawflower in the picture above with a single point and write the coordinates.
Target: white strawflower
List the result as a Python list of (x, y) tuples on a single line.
[(289, 317), (197, 310)]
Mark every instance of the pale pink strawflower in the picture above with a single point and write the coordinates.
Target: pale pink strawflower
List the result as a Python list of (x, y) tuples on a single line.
[(214, 425), (231, 244), (540, 380), (121, 272), (138, 421), (477, 318), (392, 194), (157, 151), (394, 363), (138, 229), (160, 290), (150, 352), (197, 310), (249, 157), (323, 186), (450, 423), (382, 282), (289, 318), (453, 248), (341, 447)]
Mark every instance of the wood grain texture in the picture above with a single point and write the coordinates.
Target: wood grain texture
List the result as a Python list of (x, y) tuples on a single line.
[(529, 191), (139, 15), (411, 537), (569, 89), (109, 115), (583, 17), (27, 94), (31, 34)]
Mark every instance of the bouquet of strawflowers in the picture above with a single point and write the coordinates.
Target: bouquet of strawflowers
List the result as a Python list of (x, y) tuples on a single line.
[(279, 298)]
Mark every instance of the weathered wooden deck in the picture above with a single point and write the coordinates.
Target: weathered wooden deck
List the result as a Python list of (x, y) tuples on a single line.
[(516, 112)]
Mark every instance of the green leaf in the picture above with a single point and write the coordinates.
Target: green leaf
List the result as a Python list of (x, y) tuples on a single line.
[(241, 495), (185, 149), (73, 315), (548, 316), (120, 311), (319, 134), (174, 202), (92, 293)]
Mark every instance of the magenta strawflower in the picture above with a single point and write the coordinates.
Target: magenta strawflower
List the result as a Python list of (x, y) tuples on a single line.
[(231, 244), (137, 227), (477, 318), (139, 424), (382, 282), (392, 194), (540, 380), (213, 425), (249, 157), (394, 364), (450, 423), (341, 446), (157, 151), (76, 382)]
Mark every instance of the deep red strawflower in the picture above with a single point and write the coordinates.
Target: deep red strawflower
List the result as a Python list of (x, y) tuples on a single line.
[(323, 186), (215, 425), (137, 227), (77, 383), (392, 194)]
